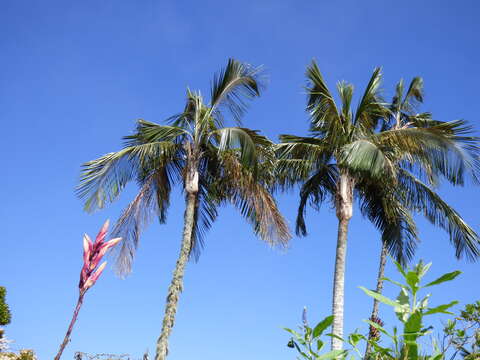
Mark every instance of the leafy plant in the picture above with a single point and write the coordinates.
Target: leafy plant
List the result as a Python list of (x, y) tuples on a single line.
[(308, 341), (462, 334), (411, 309)]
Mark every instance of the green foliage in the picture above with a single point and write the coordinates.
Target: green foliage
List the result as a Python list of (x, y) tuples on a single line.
[(5, 315), (411, 309), (462, 334), (308, 341)]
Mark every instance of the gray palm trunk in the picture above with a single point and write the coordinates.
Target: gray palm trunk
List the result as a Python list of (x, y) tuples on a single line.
[(176, 285), (379, 289), (344, 208)]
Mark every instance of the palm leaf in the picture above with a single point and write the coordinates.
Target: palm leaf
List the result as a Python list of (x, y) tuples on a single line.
[(439, 213), (234, 84)]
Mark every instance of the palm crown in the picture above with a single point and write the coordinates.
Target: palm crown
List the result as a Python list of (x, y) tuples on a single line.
[(219, 164), (393, 156)]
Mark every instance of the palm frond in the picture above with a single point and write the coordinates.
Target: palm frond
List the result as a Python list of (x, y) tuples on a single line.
[(246, 191), (389, 215), (205, 214), (414, 95), (103, 179), (136, 216), (445, 146), (396, 104), (149, 132), (235, 84), (240, 139), (370, 109), (345, 91), (365, 156), (321, 106), (421, 198), (315, 191)]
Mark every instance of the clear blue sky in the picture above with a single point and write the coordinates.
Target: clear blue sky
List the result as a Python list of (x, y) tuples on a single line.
[(75, 77)]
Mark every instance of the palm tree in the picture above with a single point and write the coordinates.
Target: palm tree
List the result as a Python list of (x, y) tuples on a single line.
[(346, 157), (213, 164), (410, 192)]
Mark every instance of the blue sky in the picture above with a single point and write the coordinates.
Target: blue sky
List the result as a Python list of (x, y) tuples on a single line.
[(76, 76)]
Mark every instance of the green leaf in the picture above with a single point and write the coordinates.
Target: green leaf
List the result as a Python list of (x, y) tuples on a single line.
[(320, 344), (393, 282), (322, 325), (379, 297), (445, 277), (354, 338), (400, 268), (294, 333), (403, 309), (441, 309), (412, 281), (334, 354)]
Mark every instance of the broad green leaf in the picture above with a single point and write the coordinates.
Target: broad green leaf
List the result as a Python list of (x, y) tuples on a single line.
[(298, 337), (334, 354), (424, 270), (293, 332), (322, 325), (412, 281), (445, 277), (422, 304), (320, 344), (399, 268), (379, 297), (403, 309), (335, 336), (441, 309), (393, 282), (354, 338)]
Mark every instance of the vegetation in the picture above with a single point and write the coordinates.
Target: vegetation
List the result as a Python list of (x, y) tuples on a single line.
[(415, 182), (5, 315), (405, 343), (213, 164), (378, 155), (386, 156)]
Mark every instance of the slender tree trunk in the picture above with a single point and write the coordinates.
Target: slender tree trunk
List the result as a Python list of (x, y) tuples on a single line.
[(70, 327), (379, 289), (176, 285), (344, 201)]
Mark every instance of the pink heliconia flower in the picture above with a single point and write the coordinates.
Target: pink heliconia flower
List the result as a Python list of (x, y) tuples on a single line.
[(93, 253)]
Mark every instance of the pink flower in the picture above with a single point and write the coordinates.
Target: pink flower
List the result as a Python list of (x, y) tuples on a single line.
[(93, 253)]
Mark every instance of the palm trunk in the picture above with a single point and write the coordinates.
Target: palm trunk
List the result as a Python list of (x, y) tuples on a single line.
[(344, 214), (176, 285), (338, 284), (379, 289)]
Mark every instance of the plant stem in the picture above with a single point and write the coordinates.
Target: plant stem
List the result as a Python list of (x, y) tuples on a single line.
[(70, 327)]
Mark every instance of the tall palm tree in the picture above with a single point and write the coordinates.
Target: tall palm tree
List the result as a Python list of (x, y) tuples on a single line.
[(415, 195), (213, 164), (346, 157)]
